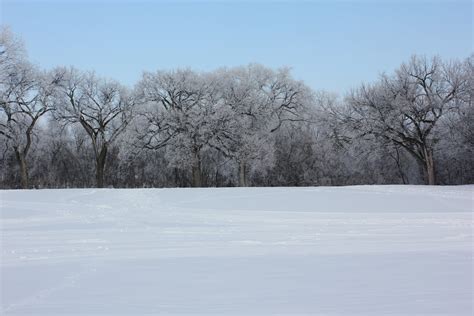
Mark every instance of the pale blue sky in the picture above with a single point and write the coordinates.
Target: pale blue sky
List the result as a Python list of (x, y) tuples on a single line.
[(332, 45)]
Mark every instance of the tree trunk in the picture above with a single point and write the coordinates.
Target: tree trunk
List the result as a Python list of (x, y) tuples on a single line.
[(430, 171), (196, 171), (177, 181), (430, 178), (197, 181), (398, 161), (21, 156), (100, 167), (242, 174), (21, 159)]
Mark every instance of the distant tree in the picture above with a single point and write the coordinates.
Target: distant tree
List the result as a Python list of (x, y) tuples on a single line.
[(465, 118), (182, 110), (456, 148), (25, 96), (262, 100), (406, 107), (103, 108)]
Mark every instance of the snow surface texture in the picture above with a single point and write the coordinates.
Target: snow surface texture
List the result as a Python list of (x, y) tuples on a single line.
[(363, 250)]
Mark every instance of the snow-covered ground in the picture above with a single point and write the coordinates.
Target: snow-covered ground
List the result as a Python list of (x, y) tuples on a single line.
[(363, 250)]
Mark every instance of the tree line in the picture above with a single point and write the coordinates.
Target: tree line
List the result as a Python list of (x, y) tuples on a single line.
[(241, 126)]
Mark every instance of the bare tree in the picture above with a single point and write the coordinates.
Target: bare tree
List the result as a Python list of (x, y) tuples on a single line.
[(103, 108), (406, 107), (262, 100), (25, 96), (182, 110)]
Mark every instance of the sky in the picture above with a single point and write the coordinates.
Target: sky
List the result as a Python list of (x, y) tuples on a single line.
[(331, 45)]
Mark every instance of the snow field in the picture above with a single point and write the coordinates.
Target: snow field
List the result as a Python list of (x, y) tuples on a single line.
[(362, 250)]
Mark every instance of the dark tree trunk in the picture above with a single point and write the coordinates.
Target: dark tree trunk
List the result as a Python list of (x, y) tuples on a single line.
[(242, 174), (398, 161), (197, 179), (196, 170), (424, 156), (100, 167), (430, 177), (21, 156), (21, 159)]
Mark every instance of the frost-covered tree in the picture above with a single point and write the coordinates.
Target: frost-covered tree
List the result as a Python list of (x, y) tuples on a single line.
[(103, 108), (456, 146), (405, 108), (262, 100), (25, 96), (183, 111)]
